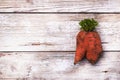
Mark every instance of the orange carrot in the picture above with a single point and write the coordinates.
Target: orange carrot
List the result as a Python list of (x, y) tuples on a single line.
[(80, 50), (88, 42), (94, 47)]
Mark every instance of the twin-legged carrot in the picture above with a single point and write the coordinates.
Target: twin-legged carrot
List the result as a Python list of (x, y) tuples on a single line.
[(88, 43)]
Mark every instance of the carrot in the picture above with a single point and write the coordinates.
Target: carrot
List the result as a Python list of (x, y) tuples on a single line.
[(94, 48), (88, 42), (80, 50)]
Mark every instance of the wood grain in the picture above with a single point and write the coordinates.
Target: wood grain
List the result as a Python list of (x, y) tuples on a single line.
[(54, 32), (54, 35), (59, 5), (57, 66)]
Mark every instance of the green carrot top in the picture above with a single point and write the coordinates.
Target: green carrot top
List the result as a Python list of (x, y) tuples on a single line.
[(88, 24)]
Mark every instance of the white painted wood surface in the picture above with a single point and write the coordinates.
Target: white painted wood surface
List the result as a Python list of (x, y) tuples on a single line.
[(59, 5), (54, 32), (57, 66)]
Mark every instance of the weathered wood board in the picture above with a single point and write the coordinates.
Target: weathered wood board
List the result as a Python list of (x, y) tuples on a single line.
[(57, 66), (53, 36), (54, 32), (59, 5)]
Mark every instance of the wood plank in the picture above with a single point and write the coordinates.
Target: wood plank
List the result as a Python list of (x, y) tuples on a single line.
[(59, 5), (54, 32), (57, 66)]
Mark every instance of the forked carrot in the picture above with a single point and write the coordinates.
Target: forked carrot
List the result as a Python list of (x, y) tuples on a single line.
[(88, 42)]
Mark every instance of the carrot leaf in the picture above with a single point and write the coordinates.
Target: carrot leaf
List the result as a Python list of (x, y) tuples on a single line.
[(88, 24)]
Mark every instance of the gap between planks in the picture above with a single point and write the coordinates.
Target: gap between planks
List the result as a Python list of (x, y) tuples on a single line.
[(59, 12), (56, 51)]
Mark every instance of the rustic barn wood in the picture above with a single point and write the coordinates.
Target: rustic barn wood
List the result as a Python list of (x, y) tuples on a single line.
[(59, 5), (57, 66), (40, 39), (54, 32)]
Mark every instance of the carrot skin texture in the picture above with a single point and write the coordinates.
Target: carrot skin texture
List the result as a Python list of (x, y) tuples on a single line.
[(80, 47), (94, 47), (89, 45)]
